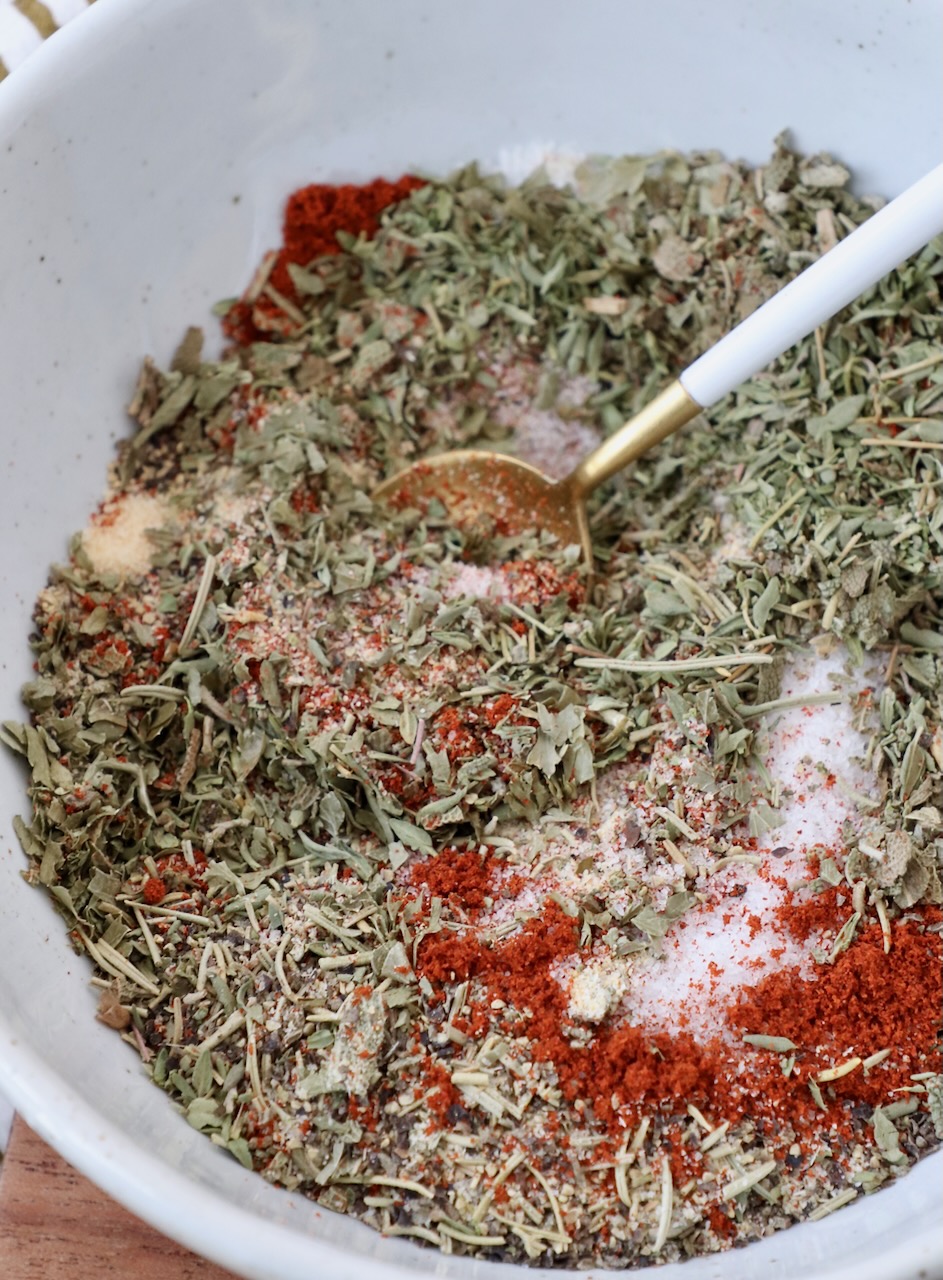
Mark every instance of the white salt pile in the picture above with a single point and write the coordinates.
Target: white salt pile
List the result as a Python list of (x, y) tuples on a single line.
[(476, 582), (733, 934), (733, 941), (552, 439)]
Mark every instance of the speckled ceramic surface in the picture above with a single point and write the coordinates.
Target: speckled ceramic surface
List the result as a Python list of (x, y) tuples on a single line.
[(144, 153)]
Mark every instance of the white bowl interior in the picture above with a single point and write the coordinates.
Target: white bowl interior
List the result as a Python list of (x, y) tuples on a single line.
[(144, 156)]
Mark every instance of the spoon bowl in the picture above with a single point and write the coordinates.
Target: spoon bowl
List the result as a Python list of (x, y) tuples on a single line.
[(501, 494), (494, 492)]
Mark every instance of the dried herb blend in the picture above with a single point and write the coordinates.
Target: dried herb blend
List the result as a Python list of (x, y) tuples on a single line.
[(551, 919)]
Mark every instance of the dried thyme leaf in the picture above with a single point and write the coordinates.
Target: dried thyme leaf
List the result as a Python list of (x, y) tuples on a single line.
[(887, 1137), (778, 1044), (934, 1088)]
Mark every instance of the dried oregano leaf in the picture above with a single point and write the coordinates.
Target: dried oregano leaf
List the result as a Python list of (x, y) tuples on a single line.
[(934, 1089), (900, 851), (887, 1137)]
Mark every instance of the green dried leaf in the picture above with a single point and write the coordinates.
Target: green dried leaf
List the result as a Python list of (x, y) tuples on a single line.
[(765, 604), (777, 1044), (841, 415), (204, 1114), (934, 1089), (887, 1137), (412, 836)]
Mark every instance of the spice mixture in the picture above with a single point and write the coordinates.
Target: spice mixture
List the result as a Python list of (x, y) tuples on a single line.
[(548, 917)]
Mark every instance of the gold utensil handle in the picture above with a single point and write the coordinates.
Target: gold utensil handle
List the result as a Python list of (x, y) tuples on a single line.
[(663, 415)]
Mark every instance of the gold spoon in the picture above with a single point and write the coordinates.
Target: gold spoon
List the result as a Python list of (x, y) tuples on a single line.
[(476, 483)]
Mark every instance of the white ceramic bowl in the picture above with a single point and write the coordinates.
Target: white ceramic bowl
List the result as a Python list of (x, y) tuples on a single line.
[(144, 155)]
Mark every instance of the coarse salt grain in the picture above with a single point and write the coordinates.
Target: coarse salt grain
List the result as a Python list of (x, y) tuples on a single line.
[(811, 746)]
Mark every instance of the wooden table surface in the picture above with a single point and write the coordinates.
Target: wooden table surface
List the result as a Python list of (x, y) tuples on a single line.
[(55, 1225)]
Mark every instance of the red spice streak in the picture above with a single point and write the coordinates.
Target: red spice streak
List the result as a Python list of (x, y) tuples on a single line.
[(365, 1113), (866, 999), (820, 913), (458, 741), (453, 872), (864, 1002), (176, 873), (153, 891), (313, 217), (721, 1224), (442, 1093), (624, 1061)]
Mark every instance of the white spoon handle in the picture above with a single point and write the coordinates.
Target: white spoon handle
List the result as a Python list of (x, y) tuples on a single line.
[(892, 234)]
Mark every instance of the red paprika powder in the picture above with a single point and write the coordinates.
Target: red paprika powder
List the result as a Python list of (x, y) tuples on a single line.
[(313, 217), (865, 1002)]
